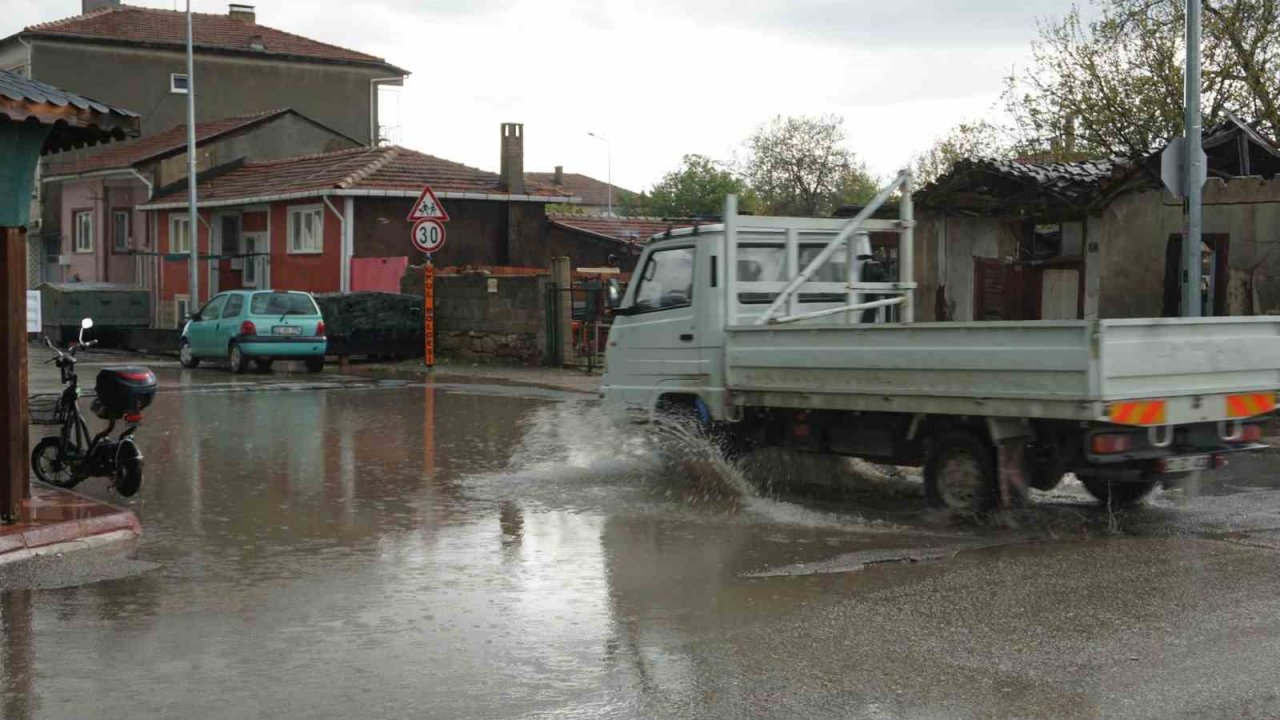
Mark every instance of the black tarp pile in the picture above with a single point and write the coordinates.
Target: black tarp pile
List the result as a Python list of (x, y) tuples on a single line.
[(372, 323)]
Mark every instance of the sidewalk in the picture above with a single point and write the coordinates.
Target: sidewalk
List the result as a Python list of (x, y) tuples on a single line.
[(54, 520)]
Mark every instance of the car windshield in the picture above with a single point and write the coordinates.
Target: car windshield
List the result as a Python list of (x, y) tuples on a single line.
[(282, 303)]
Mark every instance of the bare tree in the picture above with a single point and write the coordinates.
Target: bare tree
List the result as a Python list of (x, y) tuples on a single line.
[(1114, 85)]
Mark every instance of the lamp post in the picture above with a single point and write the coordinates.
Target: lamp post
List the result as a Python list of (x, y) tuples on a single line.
[(193, 221), (608, 150)]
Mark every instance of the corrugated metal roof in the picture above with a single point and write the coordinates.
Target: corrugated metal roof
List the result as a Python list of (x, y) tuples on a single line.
[(77, 121)]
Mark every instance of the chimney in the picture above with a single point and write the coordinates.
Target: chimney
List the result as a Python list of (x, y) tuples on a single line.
[(88, 6), (243, 13), (513, 157), (559, 175)]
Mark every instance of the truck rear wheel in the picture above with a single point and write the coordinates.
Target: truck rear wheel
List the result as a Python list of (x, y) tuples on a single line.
[(960, 473), (1118, 493)]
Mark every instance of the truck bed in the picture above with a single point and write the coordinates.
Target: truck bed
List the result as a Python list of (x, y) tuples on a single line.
[(1070, 370)]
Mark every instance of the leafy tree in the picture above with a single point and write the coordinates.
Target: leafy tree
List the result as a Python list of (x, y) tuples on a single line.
[(800, 166), (697, 188), (978, 139), (1114, 85)]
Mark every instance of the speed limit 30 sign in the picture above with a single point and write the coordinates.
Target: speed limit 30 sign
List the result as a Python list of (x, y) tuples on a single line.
[(428, 235)]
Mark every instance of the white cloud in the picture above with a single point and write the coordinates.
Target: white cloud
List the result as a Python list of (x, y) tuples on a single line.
[(662, 78)]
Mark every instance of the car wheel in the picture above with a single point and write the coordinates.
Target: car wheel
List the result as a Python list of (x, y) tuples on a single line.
[(960, 474), (186, 356), (315, 364), (239, 362), (263, 365)]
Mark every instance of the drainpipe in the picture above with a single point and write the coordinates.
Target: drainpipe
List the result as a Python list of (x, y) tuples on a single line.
[(373, 104), (344, 262)]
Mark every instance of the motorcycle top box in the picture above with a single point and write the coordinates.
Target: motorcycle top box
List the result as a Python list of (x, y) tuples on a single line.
[(123, 391)]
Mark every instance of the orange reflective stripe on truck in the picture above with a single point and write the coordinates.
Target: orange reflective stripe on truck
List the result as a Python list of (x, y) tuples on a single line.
[(1139, 412), (1251, 405)]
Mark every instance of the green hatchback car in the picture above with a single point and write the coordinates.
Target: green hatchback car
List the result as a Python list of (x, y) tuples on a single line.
[(258, 326)]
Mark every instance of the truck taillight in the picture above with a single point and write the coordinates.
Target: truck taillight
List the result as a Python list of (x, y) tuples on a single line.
[(1250, 434), (248, 328), (1111, 443), (320, 329)]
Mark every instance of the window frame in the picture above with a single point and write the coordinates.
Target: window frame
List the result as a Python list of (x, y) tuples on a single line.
[(180, 317), (294, 217), (173, 84), (226, 308), (252, 262), (640, 280), (174, 220), (119, 244), (76, 216)]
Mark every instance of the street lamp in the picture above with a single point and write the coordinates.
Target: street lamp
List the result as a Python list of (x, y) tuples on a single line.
[(608, 149)]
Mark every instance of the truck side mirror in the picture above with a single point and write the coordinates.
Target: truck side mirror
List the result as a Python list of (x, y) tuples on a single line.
[(613, 294)]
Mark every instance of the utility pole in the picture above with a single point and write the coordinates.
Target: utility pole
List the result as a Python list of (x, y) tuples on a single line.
[(193, 222), (1194, 218)]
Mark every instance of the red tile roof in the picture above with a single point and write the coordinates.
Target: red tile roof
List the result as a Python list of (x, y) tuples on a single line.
[(624, 229), (388, 168), (149, 26), (591, 190), (153, 147)]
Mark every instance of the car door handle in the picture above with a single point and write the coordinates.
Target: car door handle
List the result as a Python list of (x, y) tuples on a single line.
[(687, 337)]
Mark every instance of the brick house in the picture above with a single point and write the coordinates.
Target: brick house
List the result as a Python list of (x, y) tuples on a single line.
[(106, 238), (136, 57), (311, 223), (597, 241)]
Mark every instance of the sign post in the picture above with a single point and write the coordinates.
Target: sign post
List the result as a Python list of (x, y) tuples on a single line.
[(428, 217)]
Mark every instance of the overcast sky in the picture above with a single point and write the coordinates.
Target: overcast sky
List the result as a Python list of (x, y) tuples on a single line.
[(661, 78)]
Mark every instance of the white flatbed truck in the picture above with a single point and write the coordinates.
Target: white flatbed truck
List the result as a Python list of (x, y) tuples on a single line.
[(768, 330)]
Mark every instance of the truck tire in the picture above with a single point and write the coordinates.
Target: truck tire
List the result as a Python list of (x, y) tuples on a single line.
[(1117, 494), (960, 473)]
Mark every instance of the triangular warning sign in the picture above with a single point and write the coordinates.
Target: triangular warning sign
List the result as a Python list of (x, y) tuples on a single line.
[(427, 207)]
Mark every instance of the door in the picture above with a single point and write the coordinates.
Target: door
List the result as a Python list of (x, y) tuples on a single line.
[(1214, 275), (228, 249), (658, 348), (200, 333), (253, 262)]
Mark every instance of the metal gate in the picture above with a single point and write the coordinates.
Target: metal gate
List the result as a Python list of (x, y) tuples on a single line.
[(577, 325)]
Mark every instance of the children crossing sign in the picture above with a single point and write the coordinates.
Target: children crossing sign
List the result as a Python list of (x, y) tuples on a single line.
[(427, 207)]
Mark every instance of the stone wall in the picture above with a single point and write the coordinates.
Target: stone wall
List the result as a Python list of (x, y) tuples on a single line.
[(487, 318)]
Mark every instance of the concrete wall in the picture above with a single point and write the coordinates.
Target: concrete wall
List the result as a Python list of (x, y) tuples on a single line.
[(1135, 231), (476, 233), (138, 79), (284, 137), (487, 318)]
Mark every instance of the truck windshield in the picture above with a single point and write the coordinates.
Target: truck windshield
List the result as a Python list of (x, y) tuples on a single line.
[(667, 280), (282, 303)]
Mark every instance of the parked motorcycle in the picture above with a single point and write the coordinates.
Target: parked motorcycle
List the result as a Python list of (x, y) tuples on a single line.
[(122, 393)]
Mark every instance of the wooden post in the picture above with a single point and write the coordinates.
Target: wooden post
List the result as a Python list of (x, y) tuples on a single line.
[(15, 481), (429, 313)]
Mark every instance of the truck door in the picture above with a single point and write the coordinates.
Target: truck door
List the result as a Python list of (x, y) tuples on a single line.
[(660, 346)]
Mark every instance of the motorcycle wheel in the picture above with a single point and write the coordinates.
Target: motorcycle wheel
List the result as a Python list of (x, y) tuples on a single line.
[(128, 470), (51, 465)]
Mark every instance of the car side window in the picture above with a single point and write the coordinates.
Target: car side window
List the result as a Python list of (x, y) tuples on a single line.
[(234, 305), (666, 281), (212, 310)]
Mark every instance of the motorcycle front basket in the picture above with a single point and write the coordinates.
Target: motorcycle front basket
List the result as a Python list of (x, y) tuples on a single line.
[(46, 410)]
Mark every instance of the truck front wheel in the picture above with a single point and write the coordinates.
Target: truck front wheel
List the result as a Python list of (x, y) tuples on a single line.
[(960, 473)]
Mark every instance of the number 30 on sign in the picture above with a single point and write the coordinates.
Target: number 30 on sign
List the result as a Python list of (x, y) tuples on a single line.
[(428, 235)]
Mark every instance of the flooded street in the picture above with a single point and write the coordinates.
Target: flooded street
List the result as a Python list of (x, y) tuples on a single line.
[(450, 550)]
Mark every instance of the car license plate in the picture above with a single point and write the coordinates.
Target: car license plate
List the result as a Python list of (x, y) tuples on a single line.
[(286, 330), (1188, 463)]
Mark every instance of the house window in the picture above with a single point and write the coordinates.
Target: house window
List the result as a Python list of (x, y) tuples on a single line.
[(120, 230), (251, 262), (83, 224), (178, 83), (306, 230), (181, 309), (180, 235)]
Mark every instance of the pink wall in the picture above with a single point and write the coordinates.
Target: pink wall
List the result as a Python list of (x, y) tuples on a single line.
[(101, 197)]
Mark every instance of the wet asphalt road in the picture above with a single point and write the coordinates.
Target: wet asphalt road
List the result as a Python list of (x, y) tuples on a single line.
[(400, 550)]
